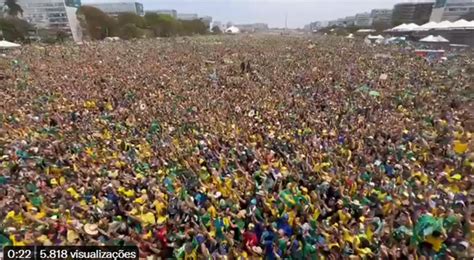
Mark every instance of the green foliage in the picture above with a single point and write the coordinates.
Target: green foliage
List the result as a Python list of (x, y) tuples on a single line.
[(97, 24), (162, 25), (14, 9), (131, 18), (193, 27), (130, 31), (14, 29)]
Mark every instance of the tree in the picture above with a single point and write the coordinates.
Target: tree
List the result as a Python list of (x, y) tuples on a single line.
[(13, 8), (14, 29), (162, 25), (97, 24), (216, 30), (130, 31), (193, 27), (131, 18)]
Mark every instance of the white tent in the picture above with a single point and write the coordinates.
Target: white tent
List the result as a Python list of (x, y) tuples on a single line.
[(444, 25), (232, 30), (398, 28), (433, 39), (365, 30), (8, 45), (405, 27), (411, 27), (375, 37), (462, 24), (427, 26), (440, 38)]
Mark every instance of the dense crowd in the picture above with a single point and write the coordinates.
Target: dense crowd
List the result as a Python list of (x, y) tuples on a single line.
[(238, 148)]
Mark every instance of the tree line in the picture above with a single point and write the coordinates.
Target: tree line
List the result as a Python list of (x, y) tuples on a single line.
[(98, 25), (12, 27)]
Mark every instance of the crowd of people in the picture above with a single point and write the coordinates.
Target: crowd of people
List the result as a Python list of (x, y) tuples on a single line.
[(238, 148)]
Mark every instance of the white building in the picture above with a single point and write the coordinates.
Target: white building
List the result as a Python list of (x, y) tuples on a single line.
[(117, 8), (349, 21), (53, 15), (381, 16), (187, 17), (363, 20), (171, 12), (451, 10)]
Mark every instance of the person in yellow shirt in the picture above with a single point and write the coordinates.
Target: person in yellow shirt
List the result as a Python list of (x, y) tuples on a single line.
[(15, 216)]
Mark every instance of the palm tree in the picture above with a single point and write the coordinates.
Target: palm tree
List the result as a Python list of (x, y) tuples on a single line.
[(13, 8)]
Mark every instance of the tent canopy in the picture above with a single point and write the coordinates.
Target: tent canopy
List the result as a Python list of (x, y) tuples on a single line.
[(462, 24), (432, 38), (232, 30), (8, 45), (427, 26), (444, 25), (375, 37), (365, 30)]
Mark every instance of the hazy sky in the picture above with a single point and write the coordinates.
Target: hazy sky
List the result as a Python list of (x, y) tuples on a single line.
[(300, 12)]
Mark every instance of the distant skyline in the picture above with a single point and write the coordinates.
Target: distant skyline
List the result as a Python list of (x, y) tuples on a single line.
[(272, 12)]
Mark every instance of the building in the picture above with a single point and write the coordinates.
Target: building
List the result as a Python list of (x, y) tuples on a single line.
[(451, 10), (117, 8), (253, 27), (363, 20), (336, 23), (207, 20), (418, 13), (53, 16), (314, 26), (171, 12), (187, 17), (349, 20), (381, 16)]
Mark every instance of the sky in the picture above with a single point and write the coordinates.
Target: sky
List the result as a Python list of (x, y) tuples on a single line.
[(272, 12)]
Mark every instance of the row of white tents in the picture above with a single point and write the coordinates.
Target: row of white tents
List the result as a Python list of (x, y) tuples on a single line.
[(380, 39), (444, 25)]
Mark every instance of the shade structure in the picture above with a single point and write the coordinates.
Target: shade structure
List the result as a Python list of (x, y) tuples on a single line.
[(462, 24), (433, 39), (444, 25), (405, 27), (232, 30), (440, 38), (8, 45), (365, 30), (375, 37), (427, 26)]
